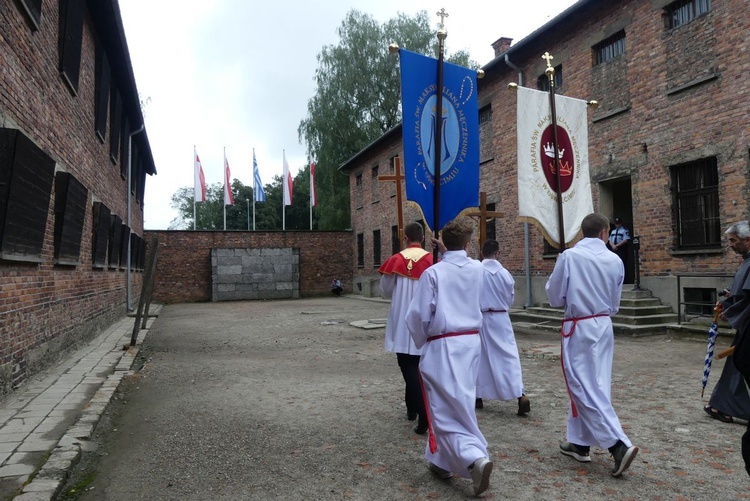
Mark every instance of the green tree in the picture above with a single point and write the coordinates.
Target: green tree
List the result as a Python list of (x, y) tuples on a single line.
[(358, 98)]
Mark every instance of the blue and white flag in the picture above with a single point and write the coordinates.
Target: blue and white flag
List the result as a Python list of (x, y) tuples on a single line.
[(459, 155), (258, 193)]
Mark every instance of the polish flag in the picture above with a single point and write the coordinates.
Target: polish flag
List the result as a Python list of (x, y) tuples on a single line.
[(313, 195), (228, 196), (287, 183), (200, 179)]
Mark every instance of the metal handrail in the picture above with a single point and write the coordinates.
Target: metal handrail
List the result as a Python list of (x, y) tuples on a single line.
[(694, 303)]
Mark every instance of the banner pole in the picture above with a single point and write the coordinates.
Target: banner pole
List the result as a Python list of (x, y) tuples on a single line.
[(442, 35), (550, 72)]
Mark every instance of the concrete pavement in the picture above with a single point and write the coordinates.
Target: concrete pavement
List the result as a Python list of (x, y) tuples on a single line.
[(46, 423)]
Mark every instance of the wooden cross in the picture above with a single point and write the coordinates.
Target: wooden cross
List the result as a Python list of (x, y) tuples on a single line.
[(442, 15), (397, 177), (549, 58), (483, 214)]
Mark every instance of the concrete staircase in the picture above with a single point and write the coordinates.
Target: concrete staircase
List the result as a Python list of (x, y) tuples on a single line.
[(640, 314)]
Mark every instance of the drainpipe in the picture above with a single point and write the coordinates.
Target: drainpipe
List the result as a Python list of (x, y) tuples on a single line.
[(526, 259), (129, 306)]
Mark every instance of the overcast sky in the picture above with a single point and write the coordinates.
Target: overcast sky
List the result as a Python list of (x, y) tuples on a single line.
[(237, 74)]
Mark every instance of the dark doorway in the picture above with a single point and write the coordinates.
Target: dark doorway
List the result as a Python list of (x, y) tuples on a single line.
[(616, 200)]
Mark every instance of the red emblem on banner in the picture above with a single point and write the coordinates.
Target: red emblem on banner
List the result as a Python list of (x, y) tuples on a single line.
[(565, 152)]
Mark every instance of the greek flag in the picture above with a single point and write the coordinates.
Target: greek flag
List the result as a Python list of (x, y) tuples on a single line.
[(258, 193)]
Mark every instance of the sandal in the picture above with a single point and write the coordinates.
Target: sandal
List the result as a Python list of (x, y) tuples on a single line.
[(716, 414)]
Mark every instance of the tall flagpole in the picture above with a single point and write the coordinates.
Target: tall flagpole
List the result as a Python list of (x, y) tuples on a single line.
[(283, 190), (442, 35), (248, 214), (254, 181), (224, 168), (312, 190), (194, 155), (550, 72)]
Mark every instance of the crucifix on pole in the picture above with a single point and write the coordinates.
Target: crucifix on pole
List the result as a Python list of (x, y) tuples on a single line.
[(483, 214), (397, 177)]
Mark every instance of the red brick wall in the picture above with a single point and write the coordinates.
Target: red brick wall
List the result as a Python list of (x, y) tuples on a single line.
[(183, 264), (657, 128), (46, 309)]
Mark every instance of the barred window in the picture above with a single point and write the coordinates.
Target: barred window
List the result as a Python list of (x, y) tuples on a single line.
[(395, 240), (684, 11), (376, 248), (375, 185), (610, 48), (485, 114), (542, 83), (360, 250), (695, 189)]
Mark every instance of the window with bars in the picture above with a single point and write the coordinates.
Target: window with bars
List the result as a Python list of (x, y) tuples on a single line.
[(376, 248), (610, 48), (683, 11), (395, 240), (358, 184), (485, 114), (699, 301), (360, 250), (542, 83), (392, 172), (695, 192), (375, 185), (489, 224)]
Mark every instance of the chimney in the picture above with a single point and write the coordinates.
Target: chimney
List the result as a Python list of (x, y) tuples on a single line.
[(501, 45)]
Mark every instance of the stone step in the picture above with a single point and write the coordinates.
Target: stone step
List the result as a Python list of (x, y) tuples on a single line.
[(635, 311), (699, 332), (662, 319), (640, 302), (552, 327)]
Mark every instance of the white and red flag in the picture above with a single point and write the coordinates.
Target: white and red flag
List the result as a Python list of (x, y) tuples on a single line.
[(537, 174), (313, 194), (199, 178), (228, 195), (287, 182)]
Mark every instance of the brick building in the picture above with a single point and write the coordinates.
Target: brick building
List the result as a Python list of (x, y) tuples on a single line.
[(73, 164), (668, 145)]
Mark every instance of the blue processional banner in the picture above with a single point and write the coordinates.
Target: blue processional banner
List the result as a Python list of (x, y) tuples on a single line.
[(459, 167)]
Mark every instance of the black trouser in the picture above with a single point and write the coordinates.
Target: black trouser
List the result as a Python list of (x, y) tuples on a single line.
[(409, 365)]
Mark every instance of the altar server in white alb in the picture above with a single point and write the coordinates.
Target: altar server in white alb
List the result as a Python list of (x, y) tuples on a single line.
[(444, 320), (587, 281), (499, 376), (400, 274)]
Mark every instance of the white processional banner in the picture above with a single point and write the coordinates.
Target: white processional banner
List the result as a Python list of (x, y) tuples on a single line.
[(537, 179)]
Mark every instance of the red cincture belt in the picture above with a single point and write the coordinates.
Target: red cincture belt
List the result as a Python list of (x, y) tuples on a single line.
[(562, 356), (452, 334)]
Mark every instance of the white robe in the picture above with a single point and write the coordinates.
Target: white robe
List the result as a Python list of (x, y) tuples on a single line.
[(499, 374), (399, 290), (449, 365), (587, 280)]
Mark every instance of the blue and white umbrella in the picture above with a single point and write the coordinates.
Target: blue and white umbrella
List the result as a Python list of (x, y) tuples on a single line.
[(713, 331)]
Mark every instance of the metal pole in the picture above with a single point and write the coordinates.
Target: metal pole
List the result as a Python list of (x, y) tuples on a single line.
[(248, 214), (128, 306)]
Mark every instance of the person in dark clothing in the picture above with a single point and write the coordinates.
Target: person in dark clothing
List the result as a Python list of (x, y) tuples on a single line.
[(736, 311)]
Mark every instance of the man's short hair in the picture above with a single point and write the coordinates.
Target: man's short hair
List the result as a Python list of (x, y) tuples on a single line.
[(741, 229), (593, 224), (490, 247), (414, 232), (457, 233)]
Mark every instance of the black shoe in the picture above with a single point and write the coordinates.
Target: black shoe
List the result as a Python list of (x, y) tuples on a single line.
[(478, 404), (420, 429), (524, 405), (578, 453), (411, 415), (623, 456)]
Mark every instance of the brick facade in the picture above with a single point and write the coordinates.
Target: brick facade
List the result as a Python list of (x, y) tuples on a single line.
[(48, 305), (675, 95), (183, 264)]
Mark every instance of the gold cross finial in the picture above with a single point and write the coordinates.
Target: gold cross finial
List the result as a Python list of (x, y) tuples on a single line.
[(549, 58), (442, 15)]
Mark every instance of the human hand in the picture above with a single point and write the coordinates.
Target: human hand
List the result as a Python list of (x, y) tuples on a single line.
[(438, 243)]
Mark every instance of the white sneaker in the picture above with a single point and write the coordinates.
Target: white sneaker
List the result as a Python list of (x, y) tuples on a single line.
[(480, 475), (444, 474)]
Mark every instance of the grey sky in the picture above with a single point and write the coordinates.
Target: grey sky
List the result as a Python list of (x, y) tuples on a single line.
[(238, 74)]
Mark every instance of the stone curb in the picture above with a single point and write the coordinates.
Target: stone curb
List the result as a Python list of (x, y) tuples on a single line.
[(51, 477)]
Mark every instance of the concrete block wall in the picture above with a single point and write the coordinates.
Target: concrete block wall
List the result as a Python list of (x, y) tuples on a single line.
[(254, 274)]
